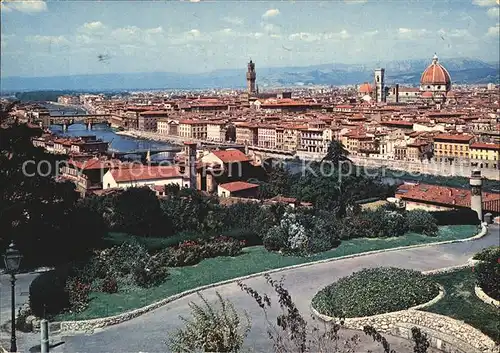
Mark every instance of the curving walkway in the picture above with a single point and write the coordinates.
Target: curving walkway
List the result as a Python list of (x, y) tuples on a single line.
[(148, 332)]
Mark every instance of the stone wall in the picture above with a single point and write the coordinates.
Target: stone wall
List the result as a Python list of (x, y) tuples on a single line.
[(486, 298), (445, 333)]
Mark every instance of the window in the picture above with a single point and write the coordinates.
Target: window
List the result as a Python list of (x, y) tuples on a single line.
[(438, 87)]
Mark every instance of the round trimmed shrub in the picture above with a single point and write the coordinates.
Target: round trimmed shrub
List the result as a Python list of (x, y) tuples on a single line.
[(47, 293), (488, 271), (375, 291)]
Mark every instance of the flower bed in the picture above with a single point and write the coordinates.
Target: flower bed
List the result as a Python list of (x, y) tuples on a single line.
[(375, 291), (488, 271)]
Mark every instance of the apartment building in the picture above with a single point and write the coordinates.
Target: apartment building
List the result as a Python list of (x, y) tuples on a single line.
[(291, 138), (147, 121), (448, 146), (216, 131), (167, 127), (266, 136), (193, 129), (484, 155), (246, 134)]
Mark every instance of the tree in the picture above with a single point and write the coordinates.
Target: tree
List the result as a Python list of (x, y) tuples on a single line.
[(211, 329), (36, 210), (137, 211), (336, 153), (420, 221)]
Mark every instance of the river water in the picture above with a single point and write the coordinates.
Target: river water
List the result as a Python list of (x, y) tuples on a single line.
[(118, 142)]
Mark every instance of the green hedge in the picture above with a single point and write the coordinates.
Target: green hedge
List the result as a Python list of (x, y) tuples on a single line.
[(375, 291), (488, 271), (47, 295), (459, 216)]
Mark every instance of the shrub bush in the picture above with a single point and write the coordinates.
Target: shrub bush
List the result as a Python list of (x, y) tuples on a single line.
[(275, 239), (109, 285), (151, 274), (47, 294), (375, 291), (491, 254), (456, 217), (420, 221), (78, 293), (191, 252), (488, 271)]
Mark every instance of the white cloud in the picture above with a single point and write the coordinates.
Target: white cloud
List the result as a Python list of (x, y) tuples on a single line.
[(314, 37), (370, 33), (233, 20), (485, 3), (494, 12), (355, 1), (410, 33), (494, 31), (156, 30), (271, 13), (194, 33), (31, 6), (52, 40), (93, 26)]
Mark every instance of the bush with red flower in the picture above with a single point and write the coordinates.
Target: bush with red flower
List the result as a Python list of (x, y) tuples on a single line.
[(191, 252)]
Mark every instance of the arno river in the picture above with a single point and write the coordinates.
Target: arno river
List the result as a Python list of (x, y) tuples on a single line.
[(118, 142)]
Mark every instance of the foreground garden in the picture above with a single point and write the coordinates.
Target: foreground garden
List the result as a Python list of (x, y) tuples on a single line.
[(381, 290), (106, 297)]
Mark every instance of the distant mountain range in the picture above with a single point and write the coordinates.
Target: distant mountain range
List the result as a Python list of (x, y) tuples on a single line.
[(462, 70)]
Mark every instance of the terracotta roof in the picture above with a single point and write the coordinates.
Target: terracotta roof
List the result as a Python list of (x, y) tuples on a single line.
[(427, 95), (451, 138), (238, 186), (155, 112), (92, 164), (397, 122), (365, 88), (435, 74), (485, 146), (229, 156), (442, 195), (144, 172)]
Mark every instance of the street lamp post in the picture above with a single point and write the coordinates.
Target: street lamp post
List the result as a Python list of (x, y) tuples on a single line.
[(12, 260)]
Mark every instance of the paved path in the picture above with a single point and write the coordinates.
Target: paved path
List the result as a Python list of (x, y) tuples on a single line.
[(148, 332)]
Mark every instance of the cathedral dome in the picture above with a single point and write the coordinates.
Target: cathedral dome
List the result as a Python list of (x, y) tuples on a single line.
[(435, 74), (365, 88)]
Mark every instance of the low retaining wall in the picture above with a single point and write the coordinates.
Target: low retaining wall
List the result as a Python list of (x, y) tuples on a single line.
[(90, 325), (486, 298), (445, 333)]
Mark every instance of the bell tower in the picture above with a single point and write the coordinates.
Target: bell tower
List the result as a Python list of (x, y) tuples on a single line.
[(476, 197), (379, 85), (251, 76)]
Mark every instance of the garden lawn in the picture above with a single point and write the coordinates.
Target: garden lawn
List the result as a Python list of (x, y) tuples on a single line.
[(252, 260), (461, 303)]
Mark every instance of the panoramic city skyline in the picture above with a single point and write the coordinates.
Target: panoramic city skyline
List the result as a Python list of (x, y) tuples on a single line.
[(72, 38)]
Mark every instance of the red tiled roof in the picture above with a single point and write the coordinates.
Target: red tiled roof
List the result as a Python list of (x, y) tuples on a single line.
[(456, 138), (144, 172), (398, 122), (92, 164), (229, 156), (442, 195), (365, 88), (435, 74), (154, 112), (238, 186), (485, 146)]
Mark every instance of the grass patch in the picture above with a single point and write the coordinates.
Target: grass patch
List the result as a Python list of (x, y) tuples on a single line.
[(375, 291), (252, 260), (461, 303)]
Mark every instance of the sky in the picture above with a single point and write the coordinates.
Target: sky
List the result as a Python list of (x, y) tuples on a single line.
[(53, 38)]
